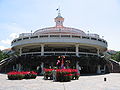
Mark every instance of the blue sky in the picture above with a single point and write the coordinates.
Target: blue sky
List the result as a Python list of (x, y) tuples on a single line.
[(96, 16)]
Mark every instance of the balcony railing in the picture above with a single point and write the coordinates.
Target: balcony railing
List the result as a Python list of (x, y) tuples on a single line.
[(60, 36), (58, 53)]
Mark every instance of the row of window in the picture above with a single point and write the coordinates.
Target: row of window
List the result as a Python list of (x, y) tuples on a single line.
[(73, 36)]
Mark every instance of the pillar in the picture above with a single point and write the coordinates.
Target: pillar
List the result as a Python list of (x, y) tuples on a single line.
[(54, 75), (42, 68), (42, 49), (20, 51), (77, 49), (104, 68), (98, 69), (98, 51), (78, 67), (19, 67), (14, 68)]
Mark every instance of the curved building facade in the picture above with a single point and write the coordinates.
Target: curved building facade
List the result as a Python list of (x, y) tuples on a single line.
[(59, 40)]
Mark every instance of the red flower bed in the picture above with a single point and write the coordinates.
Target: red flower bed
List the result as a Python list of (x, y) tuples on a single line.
[(61, 74), (48, 73), (15, 75)]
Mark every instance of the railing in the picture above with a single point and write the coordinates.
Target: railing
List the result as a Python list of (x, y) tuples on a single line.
[(60, 36), (58, 53)]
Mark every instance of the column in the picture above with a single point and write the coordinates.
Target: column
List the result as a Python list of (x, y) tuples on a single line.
[(19, 67), (20, 51), (42, 68), (98, 69), (42, 49), (104, 68), (77, 49), (14, 68), (98, 51), (78, 67)]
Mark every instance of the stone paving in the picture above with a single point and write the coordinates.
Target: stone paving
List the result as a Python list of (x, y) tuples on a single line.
[(94, 82)]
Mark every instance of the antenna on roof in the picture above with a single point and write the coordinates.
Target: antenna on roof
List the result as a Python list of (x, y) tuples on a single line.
[(31, 32), (58, 9), (88, 32)]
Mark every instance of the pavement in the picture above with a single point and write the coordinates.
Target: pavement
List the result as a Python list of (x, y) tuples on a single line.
[(90, 82)]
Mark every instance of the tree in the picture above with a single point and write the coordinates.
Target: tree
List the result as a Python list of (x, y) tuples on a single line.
[(3, 55), (116, 56)]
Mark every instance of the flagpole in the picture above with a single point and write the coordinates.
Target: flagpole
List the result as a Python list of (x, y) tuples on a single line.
[(58, 9)]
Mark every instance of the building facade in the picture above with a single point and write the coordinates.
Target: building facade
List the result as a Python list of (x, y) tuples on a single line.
[(46, 44), (59, 40)]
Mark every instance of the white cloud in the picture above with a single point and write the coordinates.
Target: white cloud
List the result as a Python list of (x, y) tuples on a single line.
[(13, 35), (7, 41), (2, 47)]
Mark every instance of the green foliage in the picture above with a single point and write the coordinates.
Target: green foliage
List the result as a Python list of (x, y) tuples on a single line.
[(116, 56), (30, 76), (15, 77), (3, 55)]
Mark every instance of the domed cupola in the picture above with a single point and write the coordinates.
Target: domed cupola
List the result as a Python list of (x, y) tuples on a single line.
[(59, 20)]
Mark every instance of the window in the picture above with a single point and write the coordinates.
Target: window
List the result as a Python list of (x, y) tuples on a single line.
[(103, 41), (42, 36), (25, 38), (54, 35), (85, 37), (65, 35), (14, 40), (99, 40), (75, 36), (93, 39), (34, 37), (19, 39)]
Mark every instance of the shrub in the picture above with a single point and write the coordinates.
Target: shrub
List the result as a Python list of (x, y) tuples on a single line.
[(77, 75), (14, 75), (62, 74), (48, 73)]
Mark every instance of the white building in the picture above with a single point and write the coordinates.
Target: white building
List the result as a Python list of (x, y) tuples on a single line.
[(59, 41)]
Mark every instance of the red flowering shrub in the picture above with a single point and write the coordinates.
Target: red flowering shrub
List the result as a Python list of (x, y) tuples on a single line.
[(30, 75), (14, 75), (68, 77), (61, 74), (77, 75), (48, 73)]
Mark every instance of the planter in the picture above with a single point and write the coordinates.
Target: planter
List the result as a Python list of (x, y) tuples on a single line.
[(62, 75), (15, 77), (21, 75)]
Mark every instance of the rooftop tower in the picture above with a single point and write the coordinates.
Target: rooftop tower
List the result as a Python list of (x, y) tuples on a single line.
[(59, 19)]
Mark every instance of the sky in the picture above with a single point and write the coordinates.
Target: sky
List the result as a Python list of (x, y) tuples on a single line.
[(96, 16)]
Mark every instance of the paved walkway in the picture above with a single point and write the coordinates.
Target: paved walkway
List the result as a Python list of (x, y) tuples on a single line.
[(95, 82)]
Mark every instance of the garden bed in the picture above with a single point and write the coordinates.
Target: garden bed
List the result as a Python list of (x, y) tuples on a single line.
[(15, 75), (62, 75)]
